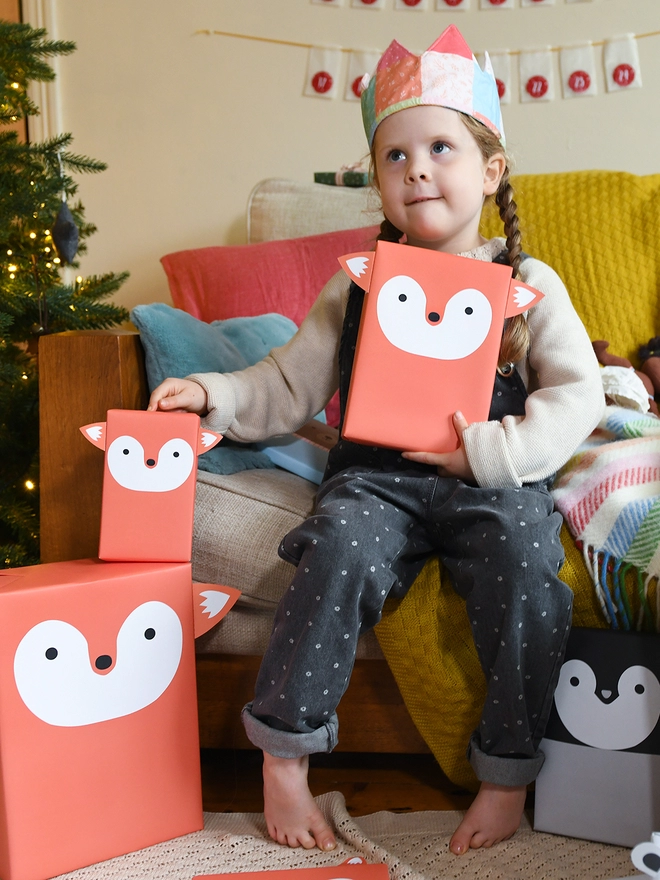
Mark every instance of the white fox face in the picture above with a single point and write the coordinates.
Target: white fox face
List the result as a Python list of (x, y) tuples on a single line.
[(131, 469), (57, 683), (622, 723), (408, 324)]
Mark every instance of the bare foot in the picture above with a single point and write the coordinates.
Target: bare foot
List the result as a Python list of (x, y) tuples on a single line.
[(292, 816), (493, 816)]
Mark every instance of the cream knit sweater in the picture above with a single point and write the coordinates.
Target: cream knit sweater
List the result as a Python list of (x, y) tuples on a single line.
[(295, 381)]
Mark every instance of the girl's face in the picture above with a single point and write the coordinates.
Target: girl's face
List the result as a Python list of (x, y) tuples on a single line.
[(433, 177)]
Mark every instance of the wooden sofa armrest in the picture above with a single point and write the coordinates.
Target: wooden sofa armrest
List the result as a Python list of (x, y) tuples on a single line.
[(82, 374)]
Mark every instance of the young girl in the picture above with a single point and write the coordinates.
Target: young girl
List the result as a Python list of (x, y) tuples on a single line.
[(435, 133)]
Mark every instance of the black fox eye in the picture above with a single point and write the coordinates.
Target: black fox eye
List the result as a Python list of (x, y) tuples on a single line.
[(175, 454), (125, 451), (150, 633), (639, 688), (51, 653), (575, 681), (402, 297)]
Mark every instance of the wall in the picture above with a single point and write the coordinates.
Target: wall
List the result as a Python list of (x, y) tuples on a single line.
[(188, 123)]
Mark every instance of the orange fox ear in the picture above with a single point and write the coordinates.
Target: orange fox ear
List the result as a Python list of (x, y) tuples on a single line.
[(211, 603), (207, 440), (521, 297), (358, 267), (95, 433)]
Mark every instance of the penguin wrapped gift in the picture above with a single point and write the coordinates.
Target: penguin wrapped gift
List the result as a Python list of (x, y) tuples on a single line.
[(601, 776)]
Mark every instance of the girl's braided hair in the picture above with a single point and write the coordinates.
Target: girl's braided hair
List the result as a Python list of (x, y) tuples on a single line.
[(515, 339)]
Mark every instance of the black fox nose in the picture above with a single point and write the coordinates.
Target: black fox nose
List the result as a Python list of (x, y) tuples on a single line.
[(103, 662), (434, 317), (151, 462)]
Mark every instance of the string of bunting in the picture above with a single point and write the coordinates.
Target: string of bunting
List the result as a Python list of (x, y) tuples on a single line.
[(536, 68)]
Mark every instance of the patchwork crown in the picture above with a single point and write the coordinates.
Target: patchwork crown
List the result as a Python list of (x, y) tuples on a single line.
[(446, 75)]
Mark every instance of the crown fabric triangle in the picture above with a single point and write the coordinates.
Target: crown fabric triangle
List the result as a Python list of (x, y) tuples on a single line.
[(446, 75)]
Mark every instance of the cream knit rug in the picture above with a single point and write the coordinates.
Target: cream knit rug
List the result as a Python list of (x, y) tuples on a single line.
[(413, 845)]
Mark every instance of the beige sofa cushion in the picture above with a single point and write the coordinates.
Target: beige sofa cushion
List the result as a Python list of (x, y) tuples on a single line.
[(280, 209), (240, 520)]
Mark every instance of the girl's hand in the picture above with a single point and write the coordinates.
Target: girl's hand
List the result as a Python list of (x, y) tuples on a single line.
[(178, 395), (449, 464)]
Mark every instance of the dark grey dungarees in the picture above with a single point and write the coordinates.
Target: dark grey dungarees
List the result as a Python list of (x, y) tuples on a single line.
[(377, 519)]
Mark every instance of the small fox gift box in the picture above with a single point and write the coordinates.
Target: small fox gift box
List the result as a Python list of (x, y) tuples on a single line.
[(428, 344), (148, 483), (99, 745)]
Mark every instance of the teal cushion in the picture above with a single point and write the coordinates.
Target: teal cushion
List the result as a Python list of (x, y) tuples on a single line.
[(176, 344)]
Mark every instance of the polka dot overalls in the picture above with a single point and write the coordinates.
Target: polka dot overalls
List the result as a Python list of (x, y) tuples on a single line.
[(377, 519)]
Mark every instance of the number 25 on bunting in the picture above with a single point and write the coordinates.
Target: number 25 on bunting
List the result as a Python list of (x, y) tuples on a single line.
[(578, 71)]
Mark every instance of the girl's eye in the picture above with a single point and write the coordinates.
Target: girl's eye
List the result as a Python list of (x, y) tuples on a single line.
[(439, 147), (397, 155)]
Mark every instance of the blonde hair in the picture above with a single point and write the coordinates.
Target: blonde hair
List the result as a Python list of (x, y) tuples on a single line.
[(515, 338)]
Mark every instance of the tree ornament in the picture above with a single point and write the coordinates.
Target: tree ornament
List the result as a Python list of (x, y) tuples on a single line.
[(65, 234)]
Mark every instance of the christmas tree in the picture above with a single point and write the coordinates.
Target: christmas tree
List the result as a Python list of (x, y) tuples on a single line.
[(42, 230)]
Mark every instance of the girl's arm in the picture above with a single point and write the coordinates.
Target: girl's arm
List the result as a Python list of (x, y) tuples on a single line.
[(566, 400), (290, 385)]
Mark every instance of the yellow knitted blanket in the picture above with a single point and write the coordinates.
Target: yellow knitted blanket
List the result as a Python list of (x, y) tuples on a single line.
[(599, 231)]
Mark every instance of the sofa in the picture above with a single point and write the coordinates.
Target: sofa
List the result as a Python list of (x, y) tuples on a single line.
[(416, 681)]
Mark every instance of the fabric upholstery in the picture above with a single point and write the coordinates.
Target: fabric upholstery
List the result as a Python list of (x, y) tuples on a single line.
[(277, 276)]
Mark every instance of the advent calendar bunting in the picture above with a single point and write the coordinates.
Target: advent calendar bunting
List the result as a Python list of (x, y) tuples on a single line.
[(368, 4), (537, 2), (496, 4), (578, 71), (621, 60), (328, 2), (419, 5), (501, 62), (323, 72), (453, 5), (536, 71), (359, 63)]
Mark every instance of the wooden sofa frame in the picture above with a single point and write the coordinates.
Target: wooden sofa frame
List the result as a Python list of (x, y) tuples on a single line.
[(82, 374)]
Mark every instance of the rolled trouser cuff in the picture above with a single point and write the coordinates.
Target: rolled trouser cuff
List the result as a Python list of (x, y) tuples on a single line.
[(504, 771), (289, 744)]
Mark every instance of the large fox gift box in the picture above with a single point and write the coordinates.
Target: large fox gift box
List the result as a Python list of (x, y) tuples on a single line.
[(99, 744), (428, 344)]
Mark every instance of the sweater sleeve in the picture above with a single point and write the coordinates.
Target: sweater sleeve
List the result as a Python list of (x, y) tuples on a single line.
[(290, 385), (566, 400)]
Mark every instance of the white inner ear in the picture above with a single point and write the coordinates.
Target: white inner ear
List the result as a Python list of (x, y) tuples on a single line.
[(95, 432), (358, 265)]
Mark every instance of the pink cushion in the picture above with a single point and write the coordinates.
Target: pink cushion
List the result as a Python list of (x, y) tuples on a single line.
[(215, 283), (286, 276)]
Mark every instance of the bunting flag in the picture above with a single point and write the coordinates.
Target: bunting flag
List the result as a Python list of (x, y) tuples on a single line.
[(329, 2), (538, 2), (501, 62), (537, 82), (621, 59), (368, 4), (453, 5), (323, 72), (496, 4), (359, 63), (578, 71), (418, 5)]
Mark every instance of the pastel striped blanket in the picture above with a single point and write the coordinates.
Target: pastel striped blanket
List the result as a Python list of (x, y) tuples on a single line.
[(609, 496)]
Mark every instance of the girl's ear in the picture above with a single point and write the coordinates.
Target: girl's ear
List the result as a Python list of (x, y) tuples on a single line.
[(493, 171)]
